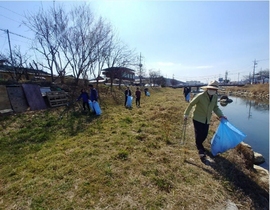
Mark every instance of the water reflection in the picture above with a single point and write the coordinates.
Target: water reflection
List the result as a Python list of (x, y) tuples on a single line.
[(252, 118)]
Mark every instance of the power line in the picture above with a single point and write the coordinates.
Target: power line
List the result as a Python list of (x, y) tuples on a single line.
[(12, 11), (15, 34), (10, 18)]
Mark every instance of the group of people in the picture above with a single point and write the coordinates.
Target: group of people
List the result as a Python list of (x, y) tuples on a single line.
[(204, 104), (129, 94), (86, 98), (93, 97)]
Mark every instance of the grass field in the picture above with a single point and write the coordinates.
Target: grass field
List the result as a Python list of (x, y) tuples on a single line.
[(123, 159)]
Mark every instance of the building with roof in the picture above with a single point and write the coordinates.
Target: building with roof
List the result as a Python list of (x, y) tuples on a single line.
[(120, 75)]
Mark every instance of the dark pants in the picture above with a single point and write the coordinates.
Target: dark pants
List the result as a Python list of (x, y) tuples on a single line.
[(138, 102), (201, 132), (87, 104), (126, 100)]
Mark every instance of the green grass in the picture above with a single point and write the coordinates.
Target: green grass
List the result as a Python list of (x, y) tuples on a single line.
[(123, 159)]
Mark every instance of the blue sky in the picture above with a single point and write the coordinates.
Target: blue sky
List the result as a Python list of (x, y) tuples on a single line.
[(187, 40)]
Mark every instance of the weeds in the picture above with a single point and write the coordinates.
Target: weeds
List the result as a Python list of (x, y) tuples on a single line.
[(123, 159)]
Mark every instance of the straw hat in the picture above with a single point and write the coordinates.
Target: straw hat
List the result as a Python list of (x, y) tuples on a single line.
[(212, 85)]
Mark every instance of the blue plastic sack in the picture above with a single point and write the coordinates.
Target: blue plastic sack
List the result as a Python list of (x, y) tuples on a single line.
[(226, 137), (188, 97), (91, 105), (96, 107), (129, 101)]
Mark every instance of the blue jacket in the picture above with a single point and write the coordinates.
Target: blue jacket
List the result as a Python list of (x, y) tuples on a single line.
[(93, 95), (84, 96)]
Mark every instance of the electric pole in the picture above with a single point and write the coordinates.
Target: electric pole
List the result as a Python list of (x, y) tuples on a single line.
[(12, 62), (253, 78), (140, 65), (226, 75)]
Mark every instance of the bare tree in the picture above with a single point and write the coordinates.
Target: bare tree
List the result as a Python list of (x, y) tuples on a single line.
[(85, 41), (76, 41), (156, 78), (49, 27), (119, 55), (105, 35), (19, 63), (264, 74)]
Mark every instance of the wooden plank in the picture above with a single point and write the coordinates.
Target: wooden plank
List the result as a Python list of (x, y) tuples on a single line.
[(57, 98)]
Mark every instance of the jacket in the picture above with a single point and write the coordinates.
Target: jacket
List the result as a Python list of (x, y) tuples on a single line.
[(127, 92), (93, 95), (84, 96), (203, 107)]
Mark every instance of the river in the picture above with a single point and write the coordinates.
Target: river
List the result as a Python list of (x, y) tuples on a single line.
[(252, 118)]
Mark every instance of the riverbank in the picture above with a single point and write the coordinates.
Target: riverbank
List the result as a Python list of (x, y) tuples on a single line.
[(123, 159), (258, 91)]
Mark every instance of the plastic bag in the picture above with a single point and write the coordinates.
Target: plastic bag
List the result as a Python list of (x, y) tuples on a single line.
[(96, 107), (226, 137), (129, 101), (91, 105)]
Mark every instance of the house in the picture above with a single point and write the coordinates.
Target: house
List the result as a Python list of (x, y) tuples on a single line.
[(119, 74), (8, 72)]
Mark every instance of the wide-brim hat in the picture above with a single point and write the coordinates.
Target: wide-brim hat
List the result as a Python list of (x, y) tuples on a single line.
[(212, 85)]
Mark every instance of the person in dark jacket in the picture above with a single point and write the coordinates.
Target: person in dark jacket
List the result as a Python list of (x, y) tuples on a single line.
[(85, 97), (186, 92), (127, 93), (93, 93), (138, 97)]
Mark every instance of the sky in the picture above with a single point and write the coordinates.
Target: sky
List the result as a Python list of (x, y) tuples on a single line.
[(184, 40)]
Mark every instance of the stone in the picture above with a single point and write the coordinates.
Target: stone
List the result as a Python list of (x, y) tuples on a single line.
[(258, 158), (263, 174)]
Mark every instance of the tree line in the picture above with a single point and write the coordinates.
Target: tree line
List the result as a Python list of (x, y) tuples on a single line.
[(73, 41)]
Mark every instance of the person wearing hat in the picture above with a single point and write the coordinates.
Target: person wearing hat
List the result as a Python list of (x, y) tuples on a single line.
[(204, 103)]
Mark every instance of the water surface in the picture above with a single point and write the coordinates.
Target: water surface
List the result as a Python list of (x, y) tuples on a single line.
[(252, 118)]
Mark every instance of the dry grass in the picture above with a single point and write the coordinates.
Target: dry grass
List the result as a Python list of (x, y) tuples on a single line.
[(124, 159), (257, 88)]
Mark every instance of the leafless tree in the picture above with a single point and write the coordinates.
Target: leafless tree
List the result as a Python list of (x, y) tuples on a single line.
[(119, 55), (104, 41), (76, 41), (19, 63), (49, 27), (153, 75), (86, 42), (156, 78)]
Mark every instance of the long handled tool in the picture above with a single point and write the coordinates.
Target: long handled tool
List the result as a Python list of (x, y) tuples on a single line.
[(183, 135)]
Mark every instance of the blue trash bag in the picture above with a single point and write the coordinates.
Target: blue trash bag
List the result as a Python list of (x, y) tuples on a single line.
[(96, 107), (226, 137), (129, 101), (91, 105), (188, 97)]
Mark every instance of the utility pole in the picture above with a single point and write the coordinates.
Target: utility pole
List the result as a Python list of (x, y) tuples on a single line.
[(140, 65), (226, 75), (253, 78), (12, 62)]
